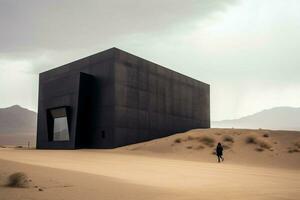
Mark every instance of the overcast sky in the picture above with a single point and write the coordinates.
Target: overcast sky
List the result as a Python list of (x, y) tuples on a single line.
[(247, 50)]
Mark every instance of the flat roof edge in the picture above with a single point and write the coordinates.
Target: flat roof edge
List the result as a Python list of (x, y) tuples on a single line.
[(115, 49)]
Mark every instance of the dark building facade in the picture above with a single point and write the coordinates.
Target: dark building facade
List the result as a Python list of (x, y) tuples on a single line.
[(114, 98)]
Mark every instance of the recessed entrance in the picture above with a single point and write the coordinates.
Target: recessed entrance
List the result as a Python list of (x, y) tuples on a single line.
[(58, 124)]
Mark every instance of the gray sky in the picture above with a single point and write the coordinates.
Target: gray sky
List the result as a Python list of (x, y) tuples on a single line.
[(248, 51)]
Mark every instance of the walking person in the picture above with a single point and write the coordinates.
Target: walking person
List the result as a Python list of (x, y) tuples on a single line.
[(219, 152)]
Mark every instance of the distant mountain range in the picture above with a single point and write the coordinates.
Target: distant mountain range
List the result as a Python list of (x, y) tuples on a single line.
[(278, 118), (17, 126)]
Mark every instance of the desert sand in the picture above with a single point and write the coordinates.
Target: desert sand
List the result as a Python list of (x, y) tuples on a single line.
[(259, 164)]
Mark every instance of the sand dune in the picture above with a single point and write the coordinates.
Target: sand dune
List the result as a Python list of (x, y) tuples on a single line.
[(270, 148), (67, 184), (161, 169)]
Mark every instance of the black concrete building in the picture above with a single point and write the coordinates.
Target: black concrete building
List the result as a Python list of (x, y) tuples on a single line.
[(114, 98)]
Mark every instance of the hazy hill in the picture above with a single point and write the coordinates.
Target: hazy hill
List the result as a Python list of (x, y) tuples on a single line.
[(280, 118), (17, 125)]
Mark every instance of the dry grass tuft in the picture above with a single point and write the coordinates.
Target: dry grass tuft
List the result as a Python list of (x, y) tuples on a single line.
[(266, 135), (189, 147), (251, 140), (200, 147), (228, 138), (261, 144), (259, 149), (297, 144), (264, 145), (18, 179), (178, 140), (208, 141), (191, 137), (294, 150)]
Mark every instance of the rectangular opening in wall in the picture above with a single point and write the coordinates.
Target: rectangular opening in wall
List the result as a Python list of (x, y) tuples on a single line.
[(58, 124)]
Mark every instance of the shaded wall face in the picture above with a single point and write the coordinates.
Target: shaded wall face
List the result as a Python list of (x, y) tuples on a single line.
[(61, 87), (153, 102), (62, 93), (102, 104)]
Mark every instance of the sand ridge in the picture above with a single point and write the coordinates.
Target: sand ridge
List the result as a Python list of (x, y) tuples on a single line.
[(280, 149), (163, 168)]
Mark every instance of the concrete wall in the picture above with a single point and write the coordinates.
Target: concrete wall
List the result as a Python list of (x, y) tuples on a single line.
[(153, 101), (121, 99), (60, 87)]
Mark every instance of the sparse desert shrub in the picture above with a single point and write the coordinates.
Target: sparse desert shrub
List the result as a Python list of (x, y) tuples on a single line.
[(226, 147), (293, 150), (296, 150), (178, 140), (214, 153), (297, 144), (189, 147), (266, 135), (259, 149), (200, 147), (190, 137), (264, 145), (228, 138), (18, 179), (251, 140), (208, 141)]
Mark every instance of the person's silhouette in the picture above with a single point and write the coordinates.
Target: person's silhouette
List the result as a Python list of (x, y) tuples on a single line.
[(219, 152)]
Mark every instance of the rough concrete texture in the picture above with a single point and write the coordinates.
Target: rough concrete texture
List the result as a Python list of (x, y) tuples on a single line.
[(116, 99)]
